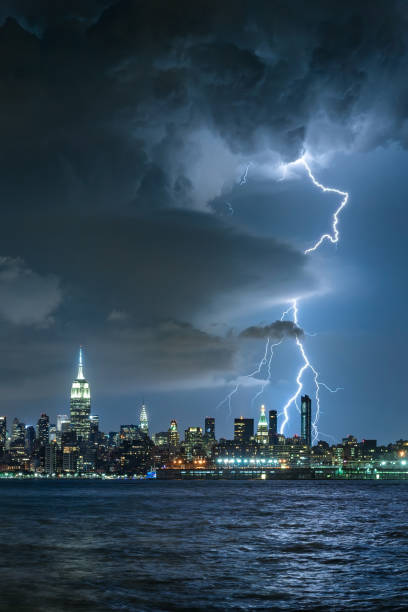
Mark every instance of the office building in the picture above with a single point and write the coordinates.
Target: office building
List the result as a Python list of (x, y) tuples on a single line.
[(262, 436), (80, 403), (17, 431), (306, 420), (29, 439), (50, 466), (243, 430), (273, 427), (43, 429), (62, 419), (174, 436), (209, 428), (161, 438), (3, 433)]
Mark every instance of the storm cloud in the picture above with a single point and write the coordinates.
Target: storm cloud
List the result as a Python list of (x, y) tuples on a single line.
[(126, 127), (276, 330)]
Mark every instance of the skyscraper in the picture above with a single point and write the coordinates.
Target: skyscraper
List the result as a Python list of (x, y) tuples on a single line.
[(3, 433), (209, 428), (80, 403), (306, 419), (243, 430), (262, 436), (17, 431), (174, 436), (144, 421), (29, 439), (273, 426)]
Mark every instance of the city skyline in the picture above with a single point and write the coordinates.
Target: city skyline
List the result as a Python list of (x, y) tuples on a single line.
[(80, 418)]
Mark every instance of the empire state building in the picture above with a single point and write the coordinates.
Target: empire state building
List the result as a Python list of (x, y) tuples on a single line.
[(80, 403)]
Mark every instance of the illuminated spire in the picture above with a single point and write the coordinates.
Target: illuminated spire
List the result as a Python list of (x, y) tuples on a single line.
[(262, 430), (80, 366), (144, 422)]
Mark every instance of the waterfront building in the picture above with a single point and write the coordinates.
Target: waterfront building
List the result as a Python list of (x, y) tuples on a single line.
[(262, 436), (193, 442), (3, 434), (243, 430), (51, 450), (144, 421), (70, 459), (135, 450), (306, 420), (80, 403)]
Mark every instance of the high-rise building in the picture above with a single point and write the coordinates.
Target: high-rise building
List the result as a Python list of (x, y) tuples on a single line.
[(209, 428), (129, 432), (273, 426), (17, 431), (3, 433), (144, 421), (29, 439), (61, 418), (262, 436), (50, 465), (193, 441), (80, 403), (53, 433), (174, 436), (193, 435), (43, 429), (243, 430), (306, 420), (161, 438)]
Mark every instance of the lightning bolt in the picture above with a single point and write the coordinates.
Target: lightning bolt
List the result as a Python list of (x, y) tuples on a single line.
[(306, 366), (293, 307), (244, 177), (227, 398), (333, 238)]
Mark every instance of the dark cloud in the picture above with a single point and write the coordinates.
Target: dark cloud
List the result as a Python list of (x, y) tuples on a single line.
[(123, 122), (171, 264), (276, 331), (105, 105), (26, 298)]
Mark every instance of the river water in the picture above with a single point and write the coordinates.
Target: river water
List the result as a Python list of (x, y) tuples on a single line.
[(150, 545)]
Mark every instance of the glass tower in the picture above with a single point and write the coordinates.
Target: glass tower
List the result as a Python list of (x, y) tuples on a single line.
[(306, 419), (80, 403)]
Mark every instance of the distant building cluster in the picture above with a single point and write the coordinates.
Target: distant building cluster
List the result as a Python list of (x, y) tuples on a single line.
[(75, 446)]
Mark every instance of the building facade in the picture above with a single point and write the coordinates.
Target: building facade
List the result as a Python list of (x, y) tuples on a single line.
[(80, 404)]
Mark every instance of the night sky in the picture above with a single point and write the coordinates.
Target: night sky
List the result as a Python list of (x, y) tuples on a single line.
[(127, 227)]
